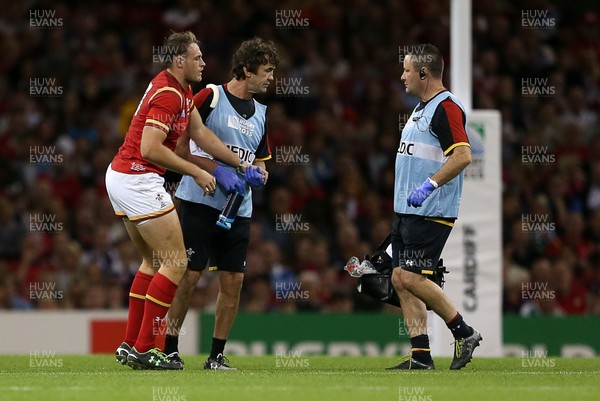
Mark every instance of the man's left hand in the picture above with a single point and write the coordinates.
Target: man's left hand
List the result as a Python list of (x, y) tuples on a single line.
[(255, 176), (418, 195)]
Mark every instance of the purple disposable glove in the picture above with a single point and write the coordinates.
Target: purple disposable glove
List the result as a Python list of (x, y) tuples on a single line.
[(418, 195), (229, 180), (254, 176)]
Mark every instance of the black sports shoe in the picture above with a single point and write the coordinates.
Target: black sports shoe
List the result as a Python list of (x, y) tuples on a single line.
[(122, 352), (152, 359), (174, 356), (218, 363), (463, 350), (412, 364)]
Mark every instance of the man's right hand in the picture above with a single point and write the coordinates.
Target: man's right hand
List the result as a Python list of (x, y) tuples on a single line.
[(229, 180)]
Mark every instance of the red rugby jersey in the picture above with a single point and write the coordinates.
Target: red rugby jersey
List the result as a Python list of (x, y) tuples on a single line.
[(166, 106)]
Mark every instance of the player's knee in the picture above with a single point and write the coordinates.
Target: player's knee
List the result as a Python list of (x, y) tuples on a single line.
[(409, 280), (190, 279), (231, 283), (396, 279), (238, 279)]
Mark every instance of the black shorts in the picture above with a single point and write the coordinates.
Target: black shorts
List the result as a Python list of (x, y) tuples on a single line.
[(417, 243), (206, 242)]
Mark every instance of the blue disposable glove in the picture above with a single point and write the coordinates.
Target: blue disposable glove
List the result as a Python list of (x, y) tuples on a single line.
[(417, 196), (229, 180), (254, 176)]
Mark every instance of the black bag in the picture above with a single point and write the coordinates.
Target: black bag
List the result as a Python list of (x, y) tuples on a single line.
[(379, 286)]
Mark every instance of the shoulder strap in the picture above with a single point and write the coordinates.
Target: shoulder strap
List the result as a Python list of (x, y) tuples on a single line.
[(215, 99), (384, 244)]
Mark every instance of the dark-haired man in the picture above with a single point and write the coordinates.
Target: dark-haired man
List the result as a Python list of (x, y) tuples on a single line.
[(433, 153), (240, 122)]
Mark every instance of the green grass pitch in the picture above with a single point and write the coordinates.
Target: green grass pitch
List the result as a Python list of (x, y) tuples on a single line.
[(266, 378)]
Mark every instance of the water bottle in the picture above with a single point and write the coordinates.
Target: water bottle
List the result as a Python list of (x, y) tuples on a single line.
[(230, 209)]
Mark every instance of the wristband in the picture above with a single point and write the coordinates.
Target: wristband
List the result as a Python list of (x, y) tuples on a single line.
[(435, 184), (239, 168)]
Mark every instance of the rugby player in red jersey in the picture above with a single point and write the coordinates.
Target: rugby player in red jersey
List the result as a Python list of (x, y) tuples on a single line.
[(134, 184)]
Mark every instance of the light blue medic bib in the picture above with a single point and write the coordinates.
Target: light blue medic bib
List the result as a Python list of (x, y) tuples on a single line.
[(419, 156), (241, 135)]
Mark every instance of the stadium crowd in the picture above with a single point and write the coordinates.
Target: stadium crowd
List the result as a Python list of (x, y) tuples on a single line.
[(70, 81)]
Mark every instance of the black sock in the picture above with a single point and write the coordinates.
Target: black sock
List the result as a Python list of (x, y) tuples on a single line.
[(420, 350), (171, 344), (218, 345), (459, 328)]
